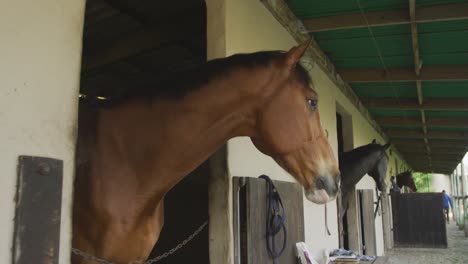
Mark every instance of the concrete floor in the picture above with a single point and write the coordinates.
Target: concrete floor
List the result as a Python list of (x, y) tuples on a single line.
[(457, 251)]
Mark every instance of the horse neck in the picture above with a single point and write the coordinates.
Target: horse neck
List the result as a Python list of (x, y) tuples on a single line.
[(354, 168), (157, 144)]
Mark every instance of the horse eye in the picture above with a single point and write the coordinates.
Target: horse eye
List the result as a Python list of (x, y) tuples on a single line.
[(312, 104)]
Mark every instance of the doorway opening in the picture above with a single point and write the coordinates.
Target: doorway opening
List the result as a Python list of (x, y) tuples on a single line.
[(347, 226), (133, 44)]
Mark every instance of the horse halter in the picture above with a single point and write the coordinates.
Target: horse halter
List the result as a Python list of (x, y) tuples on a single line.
[(275, 219)]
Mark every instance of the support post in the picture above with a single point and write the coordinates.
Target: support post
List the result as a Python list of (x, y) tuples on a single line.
[(456, 193), (453, 194), (465, 193), (459, 193)]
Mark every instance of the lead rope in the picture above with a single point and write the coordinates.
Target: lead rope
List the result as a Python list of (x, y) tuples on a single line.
[(379, 199), (276, 219), (326, 221), (166, 254)]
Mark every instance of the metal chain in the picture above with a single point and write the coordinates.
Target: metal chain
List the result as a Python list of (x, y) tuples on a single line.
[(149, 261)]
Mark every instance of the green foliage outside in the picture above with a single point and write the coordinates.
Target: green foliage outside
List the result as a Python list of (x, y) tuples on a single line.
[(423, 181)]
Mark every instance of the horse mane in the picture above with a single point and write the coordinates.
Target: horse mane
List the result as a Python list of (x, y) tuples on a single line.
[(176, 85), (359, 152)]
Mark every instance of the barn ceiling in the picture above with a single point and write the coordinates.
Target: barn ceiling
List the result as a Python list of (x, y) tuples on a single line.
[(407, 61), (128, 44)]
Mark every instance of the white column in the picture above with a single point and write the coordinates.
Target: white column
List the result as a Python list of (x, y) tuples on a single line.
[(40, 56), (459, 193), (462, 194), (453, 194)]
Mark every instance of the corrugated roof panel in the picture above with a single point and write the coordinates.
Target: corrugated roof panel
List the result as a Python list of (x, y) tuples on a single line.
[(440, 43), (446, 113), (385, 89), (357, 48), (344, 63), (438, 128), (456, 58), (443, 26), (391, 113), (402, 127), (394, 30), (320, 8), (441, 89)]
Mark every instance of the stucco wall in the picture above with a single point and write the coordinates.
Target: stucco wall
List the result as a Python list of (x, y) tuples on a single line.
[(441, 182), (40, 54), (248, 26)]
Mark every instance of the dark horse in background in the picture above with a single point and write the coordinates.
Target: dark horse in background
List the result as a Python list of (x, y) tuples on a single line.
[(133, 151), (406, 179), (354, 164)]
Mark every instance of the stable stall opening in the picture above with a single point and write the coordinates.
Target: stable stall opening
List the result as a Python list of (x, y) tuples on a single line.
[(185, 209), (347, 226), (129, 45)]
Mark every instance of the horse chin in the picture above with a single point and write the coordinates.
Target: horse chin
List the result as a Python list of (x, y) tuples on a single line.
[(318, 196)]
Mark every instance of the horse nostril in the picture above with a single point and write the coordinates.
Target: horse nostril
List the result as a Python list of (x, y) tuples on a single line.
[(330, 185), (320, 184)]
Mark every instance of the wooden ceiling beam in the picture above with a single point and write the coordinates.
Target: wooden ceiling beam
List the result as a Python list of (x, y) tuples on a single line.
[(441, 142), (433, 165), (414, 150), (433, 162), (457, 122), (394, 133), (436, 104), (422, 156), (436, 155), (455, 145), (428, 73), (435, 159), (385, 18), (417, 68), (434, 170)]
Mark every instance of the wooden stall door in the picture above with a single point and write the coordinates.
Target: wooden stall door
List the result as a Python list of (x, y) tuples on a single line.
[(250, 220), (418, 220)]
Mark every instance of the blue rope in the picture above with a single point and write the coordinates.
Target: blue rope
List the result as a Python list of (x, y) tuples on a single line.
[(276, 219)]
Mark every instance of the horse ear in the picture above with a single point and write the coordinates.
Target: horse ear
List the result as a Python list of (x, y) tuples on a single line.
[(374, 141), (295, 54)]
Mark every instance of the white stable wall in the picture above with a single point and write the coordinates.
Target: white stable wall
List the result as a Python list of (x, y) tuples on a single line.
[(40, 55), (441, 182)]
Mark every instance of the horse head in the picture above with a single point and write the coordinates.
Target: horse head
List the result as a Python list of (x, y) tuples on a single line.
[(379, 170), (406, 179), (289, 128)]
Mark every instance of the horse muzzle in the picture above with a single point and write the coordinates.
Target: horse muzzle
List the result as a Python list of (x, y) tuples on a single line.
[(324, 190)]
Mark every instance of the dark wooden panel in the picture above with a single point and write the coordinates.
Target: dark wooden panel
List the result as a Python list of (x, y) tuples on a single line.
[(252, 217), (418, 220), (38, 209)]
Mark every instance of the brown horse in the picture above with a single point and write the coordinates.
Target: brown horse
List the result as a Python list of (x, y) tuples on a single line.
[(132, 152), (406, 179)]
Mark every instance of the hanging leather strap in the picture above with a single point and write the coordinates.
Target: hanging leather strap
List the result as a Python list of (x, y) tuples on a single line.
[(275, 220)]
